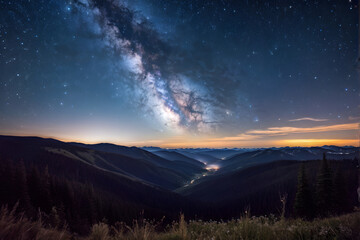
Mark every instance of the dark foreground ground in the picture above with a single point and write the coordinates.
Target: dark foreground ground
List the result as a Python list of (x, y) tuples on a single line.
[(13, 226)]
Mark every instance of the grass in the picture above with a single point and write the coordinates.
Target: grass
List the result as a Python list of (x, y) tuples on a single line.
[(265, 227), (18, 227)]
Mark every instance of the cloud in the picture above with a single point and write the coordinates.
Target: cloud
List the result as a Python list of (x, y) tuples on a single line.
[(240, 137), (267, 137), (287, 130), (309, 119), (351, 118), (257, 134)]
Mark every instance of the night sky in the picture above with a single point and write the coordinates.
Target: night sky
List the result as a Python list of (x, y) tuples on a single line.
[(181, 73)]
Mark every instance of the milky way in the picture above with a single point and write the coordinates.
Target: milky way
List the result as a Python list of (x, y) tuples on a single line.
[(154, 71), (174, 98)]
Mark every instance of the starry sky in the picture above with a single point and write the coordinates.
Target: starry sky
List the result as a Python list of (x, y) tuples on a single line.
[(181, 73)]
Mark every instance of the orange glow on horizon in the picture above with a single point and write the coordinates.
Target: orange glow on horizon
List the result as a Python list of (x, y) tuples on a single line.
[(264, 143), (332, 134), (318, 142), (211, 142)]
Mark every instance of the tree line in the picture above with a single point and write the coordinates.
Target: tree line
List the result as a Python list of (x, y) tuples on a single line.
[(77, 195), (60, 202), (328, 196)]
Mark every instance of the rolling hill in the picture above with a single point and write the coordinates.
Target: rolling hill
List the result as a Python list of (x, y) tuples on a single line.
[(140, 170), (260, 186), (199, 156), (185, 167), (176, 156), (85, 185), (222, 153), (251, 158)]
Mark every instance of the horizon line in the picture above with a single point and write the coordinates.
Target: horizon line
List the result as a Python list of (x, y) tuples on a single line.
[(152, 146)]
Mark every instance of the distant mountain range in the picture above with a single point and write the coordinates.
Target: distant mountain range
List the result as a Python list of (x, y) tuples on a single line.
[(256, 157), (209, 155), (236, 158)]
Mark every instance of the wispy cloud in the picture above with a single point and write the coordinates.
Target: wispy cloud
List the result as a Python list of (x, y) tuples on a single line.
[(279, 131), (351, 118), (287, 130), (309, 119), (270, 137), (240, 137)]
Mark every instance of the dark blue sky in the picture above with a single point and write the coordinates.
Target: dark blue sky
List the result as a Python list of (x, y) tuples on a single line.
[(180, 73)]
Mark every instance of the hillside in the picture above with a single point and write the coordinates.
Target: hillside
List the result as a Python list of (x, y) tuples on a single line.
[(253, 158), (152, 170), (184, 166), (176, 156), (260, 186), (199, 156), (260, 156), (69, 181)]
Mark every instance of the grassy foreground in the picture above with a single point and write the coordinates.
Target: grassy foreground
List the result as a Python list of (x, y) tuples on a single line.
[(347, 226)]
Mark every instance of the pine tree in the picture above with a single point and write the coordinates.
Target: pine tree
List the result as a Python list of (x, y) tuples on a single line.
[(10, 193), (34, 186), (21, 189), (46, 202), (303, 206), (340, 192), (324, 189), (5, 182)]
